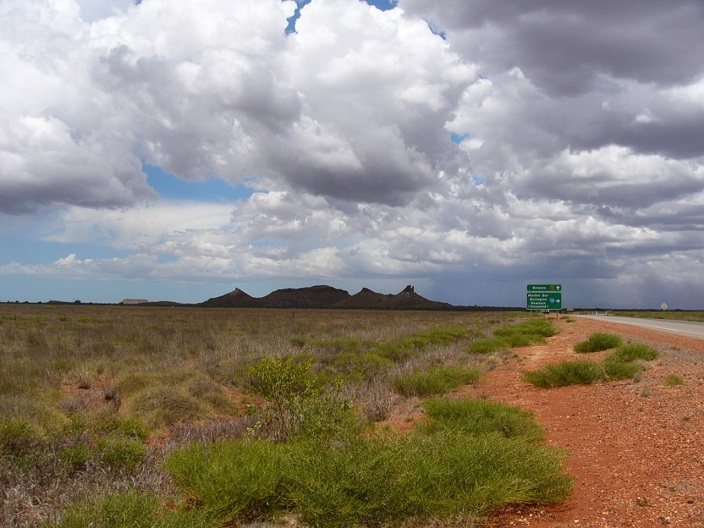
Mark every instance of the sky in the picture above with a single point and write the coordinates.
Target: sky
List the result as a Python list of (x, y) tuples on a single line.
[(174, 150)]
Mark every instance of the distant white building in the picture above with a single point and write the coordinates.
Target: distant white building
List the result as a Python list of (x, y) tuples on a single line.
[(134, 301)]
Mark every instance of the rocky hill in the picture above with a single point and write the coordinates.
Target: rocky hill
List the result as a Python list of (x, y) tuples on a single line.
[(325, 297), (311, 297), (407, 299), (236, 298)]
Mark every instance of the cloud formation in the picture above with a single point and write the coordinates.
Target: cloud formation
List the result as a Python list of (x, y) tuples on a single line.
[(472, 146)]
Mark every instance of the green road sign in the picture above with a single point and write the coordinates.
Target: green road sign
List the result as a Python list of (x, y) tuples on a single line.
[(544, 297), (545, 287), (544, 301)]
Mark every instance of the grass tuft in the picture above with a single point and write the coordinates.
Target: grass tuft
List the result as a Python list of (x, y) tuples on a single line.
[(19, 438), (633, 352), (436, 380), (620, 364), (598, 342), (132, 508), (673, 380), (384, 480), (527, 333), (478, 417), (163, 406), (566, 373)]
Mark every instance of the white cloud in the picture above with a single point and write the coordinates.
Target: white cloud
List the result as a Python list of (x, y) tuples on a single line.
[(141, 226), (582, 154)]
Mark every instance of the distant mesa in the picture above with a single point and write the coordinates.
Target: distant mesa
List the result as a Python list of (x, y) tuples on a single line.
[(325, 297), (311, 297)]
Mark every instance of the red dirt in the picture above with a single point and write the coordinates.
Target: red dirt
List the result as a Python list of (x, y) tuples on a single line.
[(636, 448)]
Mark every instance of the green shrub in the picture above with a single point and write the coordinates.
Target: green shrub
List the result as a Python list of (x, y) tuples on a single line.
[(363, 366), (619, 364), (522, 340), (115, 510), (633, 352), (130, 428), (618, 370), (598, 342), (118, 453), (133, 508), (403, 349), (396, 351), (439, 336), (282, 379), (236, 480), (19, 438), (387, 480), (341, 344), (76, 425), (436, 380), (76, 456), (300, 341), (478, 417), (487, 346), (673, 380), (532, 331), (616, 366), (566, 373), (299, 407), (328, 417), (488, 472), (524, 334)]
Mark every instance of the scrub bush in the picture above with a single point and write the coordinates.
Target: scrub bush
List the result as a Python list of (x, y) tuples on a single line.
[(598, 342), (454, 469), (566, 373), (436, 380)]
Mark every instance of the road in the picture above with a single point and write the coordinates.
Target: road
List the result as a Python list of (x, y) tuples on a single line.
[(684, 328)]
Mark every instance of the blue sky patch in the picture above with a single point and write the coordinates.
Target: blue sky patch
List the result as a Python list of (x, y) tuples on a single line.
[(383, 5), (458, 138), (211, 190)]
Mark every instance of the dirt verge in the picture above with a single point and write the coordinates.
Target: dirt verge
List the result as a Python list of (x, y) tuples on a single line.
[(636, 447)]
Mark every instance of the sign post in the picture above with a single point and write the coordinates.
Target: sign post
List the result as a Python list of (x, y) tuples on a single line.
[(544, 297)]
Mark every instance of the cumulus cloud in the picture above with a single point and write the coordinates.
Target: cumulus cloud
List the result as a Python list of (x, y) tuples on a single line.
[(202, 90), (379, 91), (577, 149)]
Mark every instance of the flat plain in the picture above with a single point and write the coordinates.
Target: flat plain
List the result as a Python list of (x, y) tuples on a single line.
[(95, 399)]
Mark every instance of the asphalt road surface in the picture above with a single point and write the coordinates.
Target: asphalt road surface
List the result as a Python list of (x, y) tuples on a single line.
[(684, 328)]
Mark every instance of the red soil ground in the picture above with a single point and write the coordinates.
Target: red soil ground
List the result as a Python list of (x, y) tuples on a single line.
[(636, 447)]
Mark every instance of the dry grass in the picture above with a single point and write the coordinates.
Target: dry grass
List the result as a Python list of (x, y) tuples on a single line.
[(66, 371)]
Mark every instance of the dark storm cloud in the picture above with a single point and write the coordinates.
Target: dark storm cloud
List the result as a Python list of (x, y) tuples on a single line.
[(611, 179), (563, 46)]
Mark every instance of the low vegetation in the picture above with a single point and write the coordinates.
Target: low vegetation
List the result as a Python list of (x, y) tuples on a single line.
[(457, 466), (526, 333), (435, 380), (566, 373), (674, 380), (479, 417), (623, 363), (117, 416), (598, 342)]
